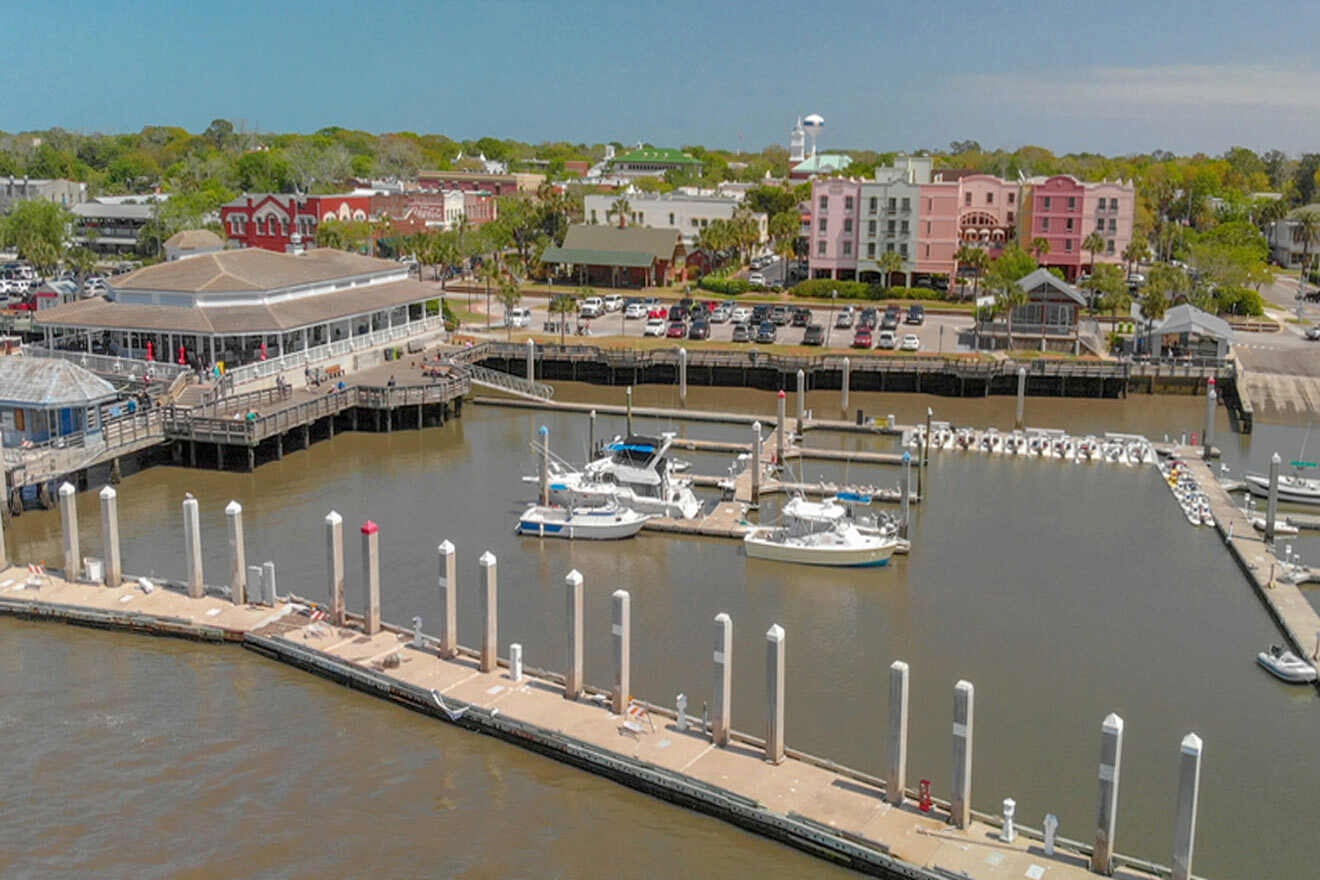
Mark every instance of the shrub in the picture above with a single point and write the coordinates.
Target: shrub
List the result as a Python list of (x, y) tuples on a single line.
[(923, 293), (726, 286), (822, 287), (1239, 301)]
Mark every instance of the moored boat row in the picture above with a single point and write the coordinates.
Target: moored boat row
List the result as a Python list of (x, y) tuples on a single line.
[(1036, 443)]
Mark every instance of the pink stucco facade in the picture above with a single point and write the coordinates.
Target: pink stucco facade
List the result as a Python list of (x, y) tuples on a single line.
[(937, 226), (835, 206), (1064, 211)]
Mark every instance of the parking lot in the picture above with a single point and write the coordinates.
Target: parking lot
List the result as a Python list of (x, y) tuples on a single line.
[(939, 332)]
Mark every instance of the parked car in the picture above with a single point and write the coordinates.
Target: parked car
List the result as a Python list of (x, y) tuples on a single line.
[(868, 317), (677, 313), (815, 335), (781, 315), (766, 332), (886, 339), (844, 320), (801, 316), (1313, 333), (760, 313), (911, 342), (740, 314), (699, 330), (889, 321), (657, 311), (742, 333), (592, 307), (518, 317), (654, 327), (720, 314), (862, 338), (677, 330), (634, 311), (613, 302), (916, 314), (756, 279)]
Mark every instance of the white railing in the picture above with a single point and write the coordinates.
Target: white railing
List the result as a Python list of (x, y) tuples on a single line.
[(297, 359), (109, 364), (509, 382)]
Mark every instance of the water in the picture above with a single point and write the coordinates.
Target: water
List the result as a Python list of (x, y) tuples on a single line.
[(1064, 592)]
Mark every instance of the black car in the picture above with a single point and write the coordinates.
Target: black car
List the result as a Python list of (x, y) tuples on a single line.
[(760, 313), (916, 315), (742, 333), (766, 332), (889, 321), (677, 312), (699, 330), (815, 335), (868, 317), (801, 316), (892, 311)]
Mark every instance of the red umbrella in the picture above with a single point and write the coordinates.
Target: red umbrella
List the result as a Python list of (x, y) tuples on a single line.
[(151, 350), (263, 351), (183, 359)]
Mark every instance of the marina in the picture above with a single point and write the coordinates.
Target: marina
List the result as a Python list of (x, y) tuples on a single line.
[(570, 431)]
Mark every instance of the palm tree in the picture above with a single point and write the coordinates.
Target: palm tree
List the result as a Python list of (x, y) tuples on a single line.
[(976, 259), (81, 261), (889, 263), (1093, 243), (564, 305), (509, 296), (1307, 231), (620, 209), (490, 271), (1136, 251), (1039, 247)]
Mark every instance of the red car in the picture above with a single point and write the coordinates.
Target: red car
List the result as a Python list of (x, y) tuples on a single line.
[(657, 312), (677, 330), (862, 338)]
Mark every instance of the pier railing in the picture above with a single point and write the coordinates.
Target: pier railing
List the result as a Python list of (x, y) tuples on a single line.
[(315, 355), (246, 429), (110, 365)]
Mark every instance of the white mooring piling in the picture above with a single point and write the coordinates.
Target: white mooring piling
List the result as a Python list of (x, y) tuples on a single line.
[(371, 577), (447, 580), (1189, 786), (896, 782), (621, 641), (573, 597), (723, 678), (114, 568), (334, 565), (1111, 760), (192, 547), (237, 553), (960, 806), (488, 595), (774, 688), (69, 528)]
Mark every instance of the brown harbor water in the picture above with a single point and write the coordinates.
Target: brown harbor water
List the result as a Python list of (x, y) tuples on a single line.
[(1064, 592)]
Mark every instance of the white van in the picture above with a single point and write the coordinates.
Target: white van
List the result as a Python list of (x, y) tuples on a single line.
[(519, 317), (613, 302), (592, 307)]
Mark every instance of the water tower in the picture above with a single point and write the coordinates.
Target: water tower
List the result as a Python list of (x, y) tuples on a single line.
[(813, 124)]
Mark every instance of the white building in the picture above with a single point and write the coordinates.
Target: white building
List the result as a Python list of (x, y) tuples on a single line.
[(689, 214), (1287, 242)]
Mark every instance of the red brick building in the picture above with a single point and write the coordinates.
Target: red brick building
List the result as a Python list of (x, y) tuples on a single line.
[(474, 181), (269, 220)]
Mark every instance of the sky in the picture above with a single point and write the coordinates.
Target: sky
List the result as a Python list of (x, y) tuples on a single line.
[(1115, 77)]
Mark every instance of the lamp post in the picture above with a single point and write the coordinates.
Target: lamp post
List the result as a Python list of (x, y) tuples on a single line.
[(834, 298)]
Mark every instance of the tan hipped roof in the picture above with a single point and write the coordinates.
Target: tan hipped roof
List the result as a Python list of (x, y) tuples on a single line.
[(251, 269), (100, 313), (192, 239)]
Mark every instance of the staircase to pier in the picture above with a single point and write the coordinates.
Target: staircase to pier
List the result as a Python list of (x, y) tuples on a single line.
[(510, 384)]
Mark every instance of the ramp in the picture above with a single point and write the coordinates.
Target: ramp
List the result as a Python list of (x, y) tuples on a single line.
[(509, 383)]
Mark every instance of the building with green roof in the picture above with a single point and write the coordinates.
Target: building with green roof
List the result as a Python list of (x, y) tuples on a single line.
[(653, 162), (819, 165), (633, 256)]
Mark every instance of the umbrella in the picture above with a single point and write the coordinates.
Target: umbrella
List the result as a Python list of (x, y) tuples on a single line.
[(151, 351)]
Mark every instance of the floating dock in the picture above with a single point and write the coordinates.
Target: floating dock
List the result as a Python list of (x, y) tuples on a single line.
[(837, 813)]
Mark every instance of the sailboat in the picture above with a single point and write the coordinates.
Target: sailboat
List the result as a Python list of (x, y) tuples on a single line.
[(1297, 489)]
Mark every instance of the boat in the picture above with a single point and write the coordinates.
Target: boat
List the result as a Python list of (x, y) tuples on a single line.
[(818, 533), (1087, 448), (992, 441), (1016, 443), (603, 523), (1299, 490), (965, 438), (1112, 452), (1138, 453), (1065, 447), (1038, 445), (635, 473), (1286, 666), (1281, 527)]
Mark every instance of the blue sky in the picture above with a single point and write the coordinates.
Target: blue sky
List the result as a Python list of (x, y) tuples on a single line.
[(1112, 77)]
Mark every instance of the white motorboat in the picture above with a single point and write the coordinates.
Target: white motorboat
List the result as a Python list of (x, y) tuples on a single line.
[(1038, 445), (820, 533), (1299, 490), (1280, 526), (1286, 666), (1113, 452), (1088, 448), (604, 523), (992, 441), (1138, 453), (1065, 448), (1016, 443), (636, 474), (965, 438)]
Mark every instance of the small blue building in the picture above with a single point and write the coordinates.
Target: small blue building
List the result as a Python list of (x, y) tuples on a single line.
[(45, 399)]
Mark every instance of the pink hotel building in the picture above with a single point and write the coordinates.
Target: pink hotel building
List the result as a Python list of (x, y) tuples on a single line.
[(925, 216)]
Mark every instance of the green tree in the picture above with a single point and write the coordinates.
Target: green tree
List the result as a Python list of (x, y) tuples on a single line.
[(510, 294), (783, 228), (1012, 265), (82, 261), (1136, 251), (1307, 232), (1093, 244), (1106, 280), (564, 305), (975, 258), (1040, 247), (38, 230), (889, 263), (620, 208)]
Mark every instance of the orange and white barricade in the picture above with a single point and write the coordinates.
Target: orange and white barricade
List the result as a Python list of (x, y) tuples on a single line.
[(36, 572), (636, 719)]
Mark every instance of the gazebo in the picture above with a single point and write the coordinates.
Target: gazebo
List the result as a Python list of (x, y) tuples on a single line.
[(1187, 331), (45, 399)]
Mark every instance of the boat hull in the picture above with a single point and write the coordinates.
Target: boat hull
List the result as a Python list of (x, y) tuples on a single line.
[(1260, 486), (591, 526), (869, 556), (1293, 673)]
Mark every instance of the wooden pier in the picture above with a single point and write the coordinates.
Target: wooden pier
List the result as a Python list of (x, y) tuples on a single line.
[(833, 812), (1286, 603)]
